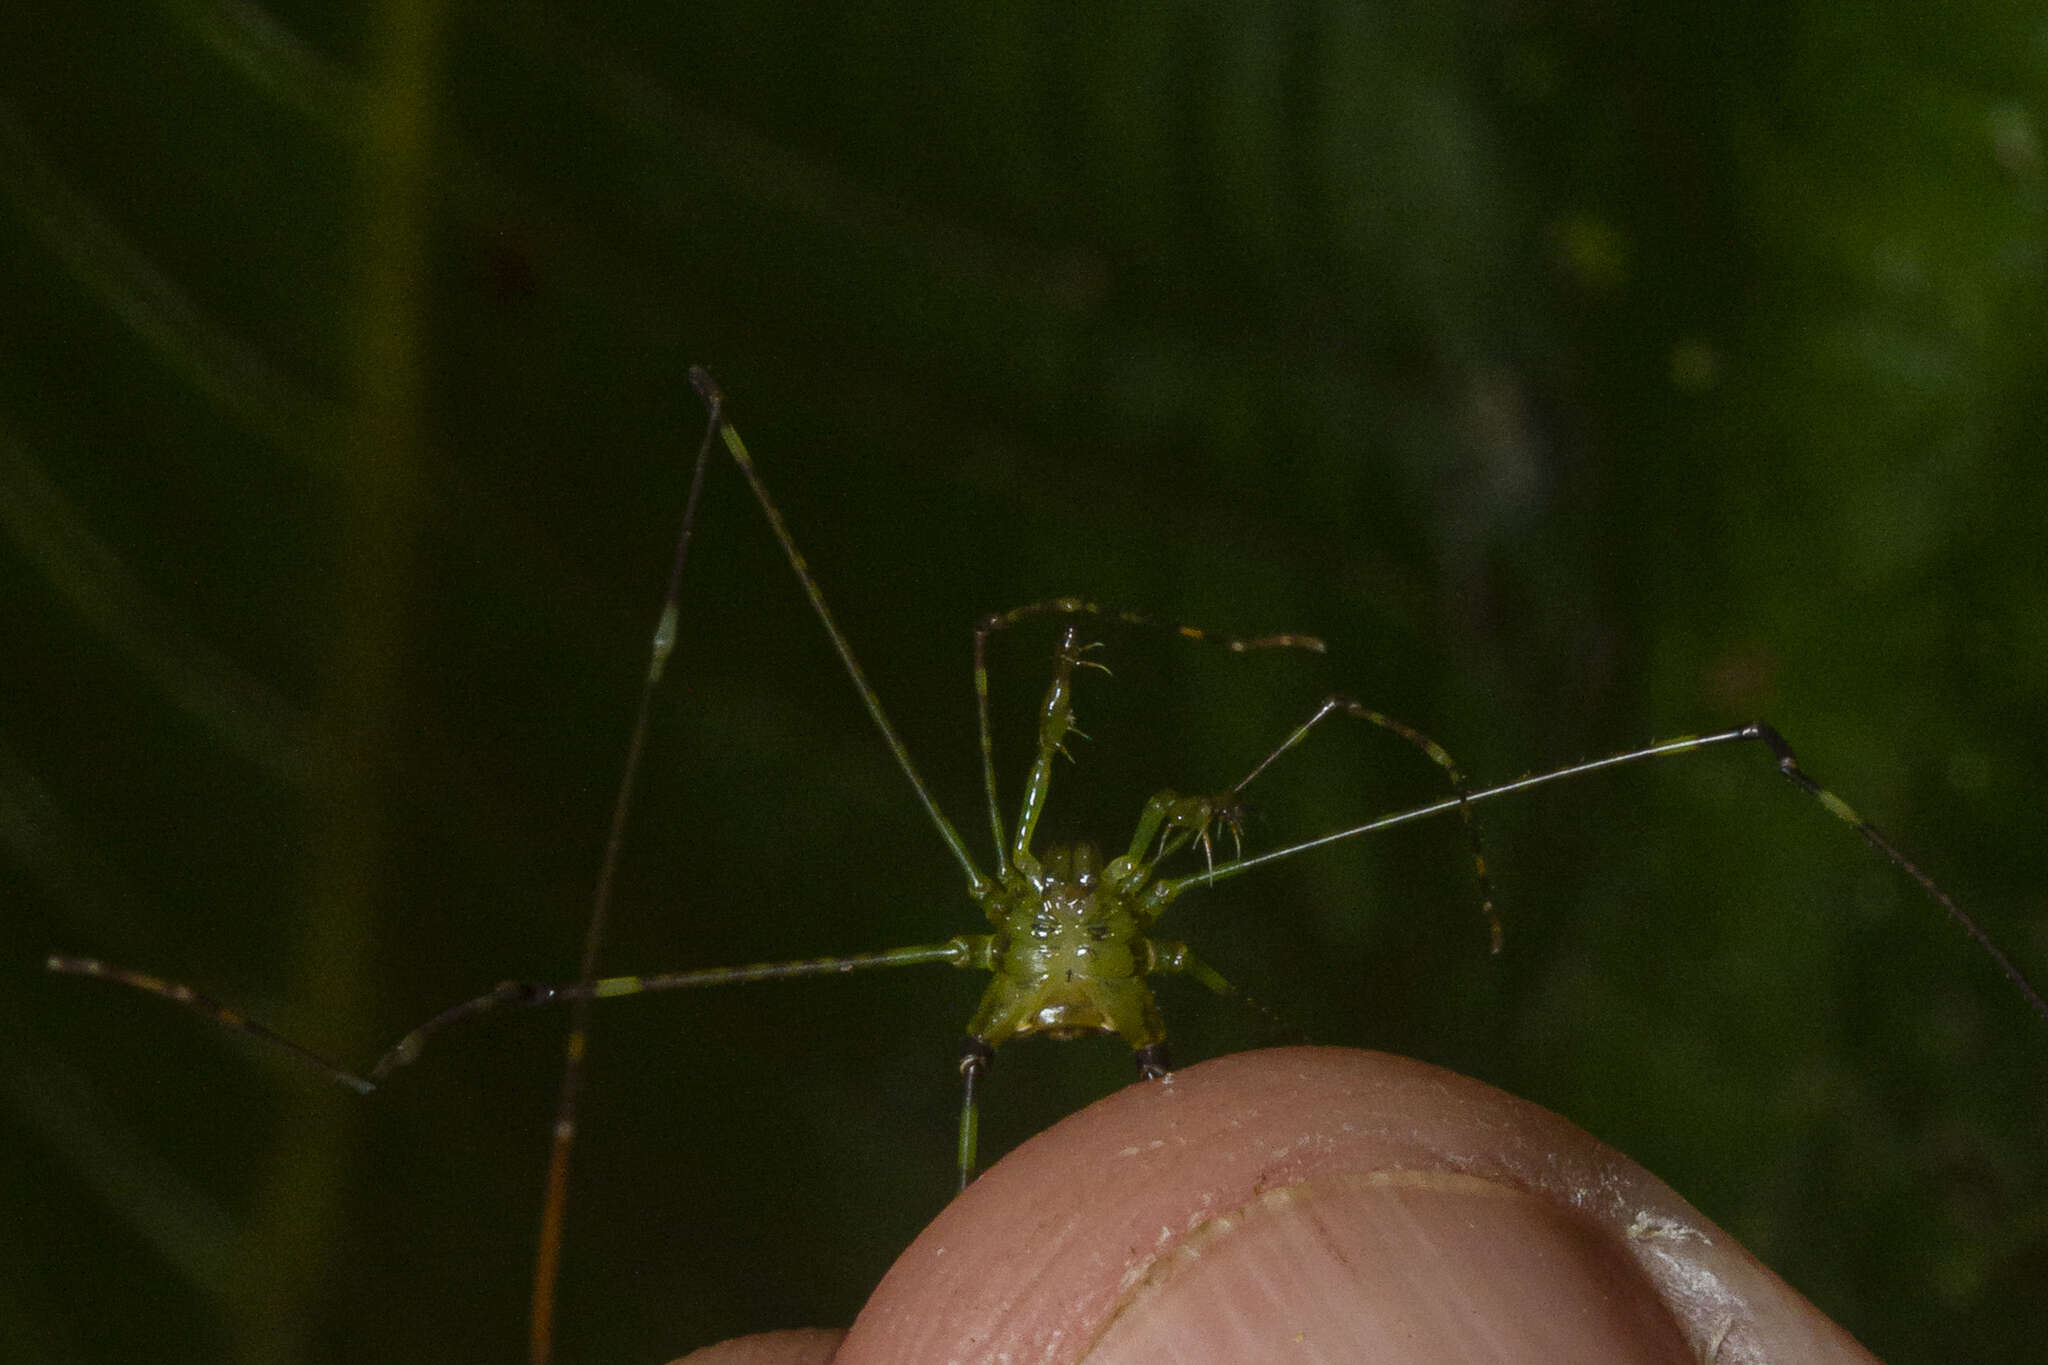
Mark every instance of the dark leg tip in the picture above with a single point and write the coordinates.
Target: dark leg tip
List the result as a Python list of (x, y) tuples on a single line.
[(1153, 1063)]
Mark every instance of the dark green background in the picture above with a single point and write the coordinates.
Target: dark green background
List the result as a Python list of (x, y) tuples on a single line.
[(1584, 377)]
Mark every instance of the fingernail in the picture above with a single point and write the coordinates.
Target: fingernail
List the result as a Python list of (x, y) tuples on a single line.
[(1415, 1266)]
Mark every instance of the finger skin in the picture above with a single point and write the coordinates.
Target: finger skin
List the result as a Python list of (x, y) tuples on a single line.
[(1309, 1204)]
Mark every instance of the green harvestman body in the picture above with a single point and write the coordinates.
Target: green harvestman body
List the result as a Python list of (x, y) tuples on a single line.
[(1069, 948)]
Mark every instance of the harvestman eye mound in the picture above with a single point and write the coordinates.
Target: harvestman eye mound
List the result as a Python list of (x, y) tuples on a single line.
[(1068, 943)]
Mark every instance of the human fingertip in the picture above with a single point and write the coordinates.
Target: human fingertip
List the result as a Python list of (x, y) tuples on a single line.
[(1260, 1163)]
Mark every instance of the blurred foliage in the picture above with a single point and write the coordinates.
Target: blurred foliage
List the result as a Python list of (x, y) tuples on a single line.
[(1586, 376)]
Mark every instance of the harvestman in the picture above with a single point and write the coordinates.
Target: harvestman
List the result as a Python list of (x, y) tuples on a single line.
[(1070, 951)]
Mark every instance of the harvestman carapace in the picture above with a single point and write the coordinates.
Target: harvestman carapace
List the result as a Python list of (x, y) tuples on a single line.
[(1069, 951)]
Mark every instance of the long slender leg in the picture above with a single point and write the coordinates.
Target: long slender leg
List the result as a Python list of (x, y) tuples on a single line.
[(1336, 704), (1758, 731), (1080, 606), (977, 882), (223, 1015), (1788, 764), (966, 951), (562, 1135)]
